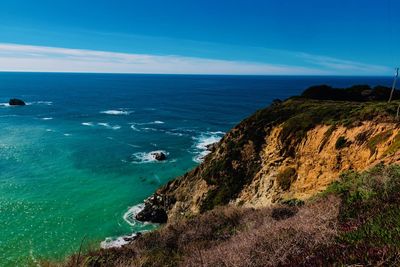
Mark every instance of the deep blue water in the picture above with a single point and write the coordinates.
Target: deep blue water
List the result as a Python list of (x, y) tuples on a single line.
[(76, 158)]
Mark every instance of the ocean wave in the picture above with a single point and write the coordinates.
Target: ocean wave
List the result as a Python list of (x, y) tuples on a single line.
[(47, 103), (4, 104), (108, 126), (130, 218), (87, 123), (145, 157), (202, 141), (130, 215), (116, 112), (46, 118), (133, 127), (117, 242)]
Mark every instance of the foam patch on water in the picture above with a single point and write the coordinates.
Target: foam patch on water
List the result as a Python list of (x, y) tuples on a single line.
[(47, 103), (117, 242), (130, 218), (47, 118), (133, 127), (202, 141), (108, 126), (116, 112), (146, 157), (130, 215), (87, 123)]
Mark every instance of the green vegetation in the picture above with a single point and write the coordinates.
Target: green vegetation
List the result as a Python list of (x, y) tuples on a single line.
[(369, 217), (378, 139), (341, 142), (286, 178), (395, 146)]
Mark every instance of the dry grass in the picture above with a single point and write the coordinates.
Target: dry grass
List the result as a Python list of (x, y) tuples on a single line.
[(227, 236)]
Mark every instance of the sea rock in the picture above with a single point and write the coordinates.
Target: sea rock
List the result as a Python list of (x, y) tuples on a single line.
[(16, 102), (152, 213), (153, 210), (160, 156)]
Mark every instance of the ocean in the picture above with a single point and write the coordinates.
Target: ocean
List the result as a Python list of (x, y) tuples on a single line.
[(75, 161)]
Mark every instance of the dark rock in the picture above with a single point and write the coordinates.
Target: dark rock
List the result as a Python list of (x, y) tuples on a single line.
[(16, 102), (152, 213), (153, 210), (159, 156)]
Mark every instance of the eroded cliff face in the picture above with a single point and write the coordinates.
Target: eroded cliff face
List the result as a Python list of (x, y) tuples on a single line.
[(261, 162), (319, 159)]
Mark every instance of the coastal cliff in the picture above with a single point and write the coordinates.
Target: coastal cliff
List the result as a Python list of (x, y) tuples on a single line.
[(290, 150), (310, 181)]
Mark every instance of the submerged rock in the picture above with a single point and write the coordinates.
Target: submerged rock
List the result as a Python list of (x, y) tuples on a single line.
[(159, 155), (16, 102)]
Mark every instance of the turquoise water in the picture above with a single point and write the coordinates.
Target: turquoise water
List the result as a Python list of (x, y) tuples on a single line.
[(75, 160)]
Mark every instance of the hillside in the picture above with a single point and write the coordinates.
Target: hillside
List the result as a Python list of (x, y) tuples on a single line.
[(291, 149), (309, 181)]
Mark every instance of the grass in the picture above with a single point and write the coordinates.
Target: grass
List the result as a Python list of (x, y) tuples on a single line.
[(369, 218)]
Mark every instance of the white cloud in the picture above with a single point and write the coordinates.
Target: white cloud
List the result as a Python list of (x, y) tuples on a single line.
[(15, 57)]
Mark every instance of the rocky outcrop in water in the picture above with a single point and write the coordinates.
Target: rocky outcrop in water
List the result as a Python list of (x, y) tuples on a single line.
[(160, 156), (16, 102), (153, 210)]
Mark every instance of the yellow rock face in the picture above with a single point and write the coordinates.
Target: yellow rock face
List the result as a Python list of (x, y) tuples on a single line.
[(319, 160)]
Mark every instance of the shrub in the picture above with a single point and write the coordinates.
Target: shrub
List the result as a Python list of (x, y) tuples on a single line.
[(286, 178), (341, 142), (378, 139)]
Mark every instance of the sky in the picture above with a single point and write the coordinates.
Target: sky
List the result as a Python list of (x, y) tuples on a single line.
[(261, 37)]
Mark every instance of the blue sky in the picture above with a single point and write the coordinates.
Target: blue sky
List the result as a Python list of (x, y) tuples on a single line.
[(334, 37)]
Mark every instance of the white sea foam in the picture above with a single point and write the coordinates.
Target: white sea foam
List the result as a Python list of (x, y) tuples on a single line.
[(105, 124), (47, 118), (145, 157), (4, 104), (118, 242), (116, 112), (67, 134), (131, 213), (87, 123), (47, 103), (133, 127), (201, 142), (129, 217), (174, 133)]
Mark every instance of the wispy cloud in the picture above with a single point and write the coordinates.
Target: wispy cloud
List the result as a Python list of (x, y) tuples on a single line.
[(15, 57), (343, 65)]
